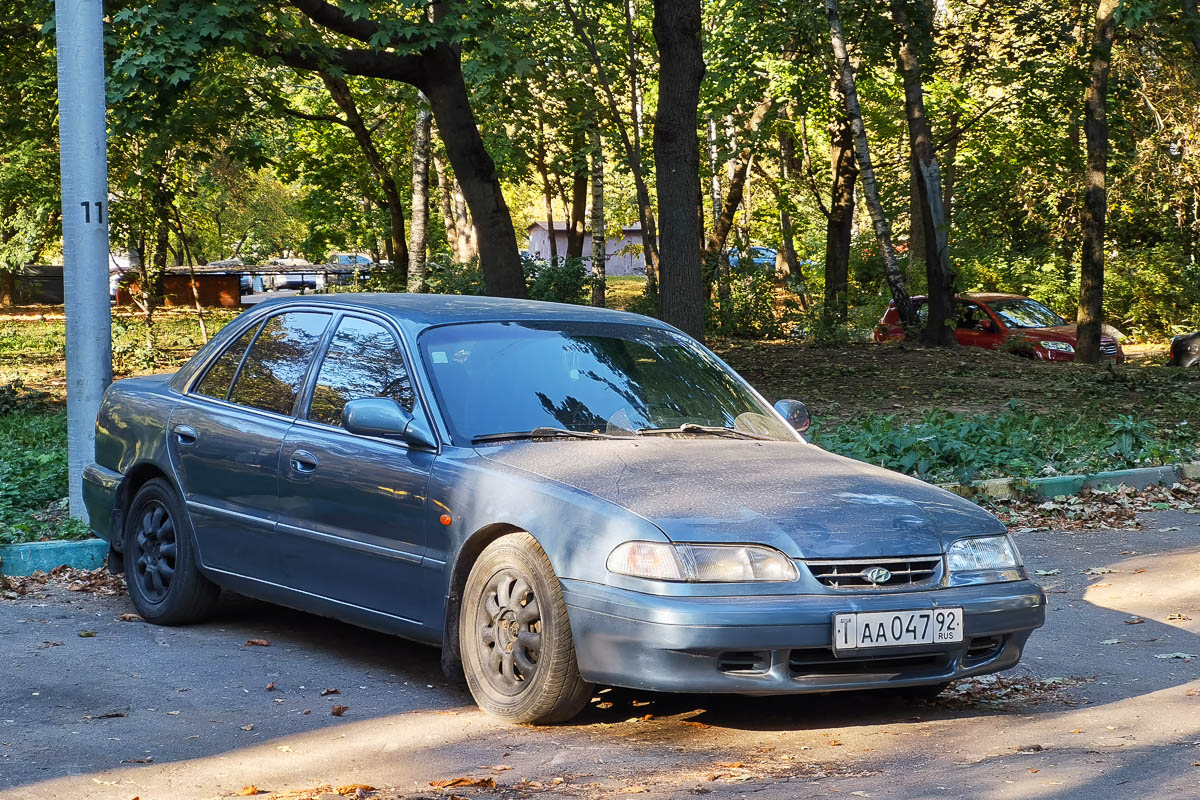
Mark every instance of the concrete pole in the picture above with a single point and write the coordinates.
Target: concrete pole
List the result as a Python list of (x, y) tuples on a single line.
[(83, 163)]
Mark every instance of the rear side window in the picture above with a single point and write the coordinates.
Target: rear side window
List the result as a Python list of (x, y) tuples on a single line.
[(278, 361), (363, 360), (220, 375)]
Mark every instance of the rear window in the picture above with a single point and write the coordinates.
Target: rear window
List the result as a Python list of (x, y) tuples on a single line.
[(220, 375)]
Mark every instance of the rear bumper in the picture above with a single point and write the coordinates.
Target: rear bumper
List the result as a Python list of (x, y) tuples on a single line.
[(781, 644), (100, 486)]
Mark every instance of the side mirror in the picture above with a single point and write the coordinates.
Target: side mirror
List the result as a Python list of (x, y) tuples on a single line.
[(384, 417), (796, 414)]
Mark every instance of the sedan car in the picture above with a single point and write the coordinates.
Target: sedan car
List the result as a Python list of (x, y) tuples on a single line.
[(557, 496), (994, 320)]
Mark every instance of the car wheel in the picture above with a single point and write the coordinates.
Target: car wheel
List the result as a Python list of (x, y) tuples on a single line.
[(160, 559), (515, 639)]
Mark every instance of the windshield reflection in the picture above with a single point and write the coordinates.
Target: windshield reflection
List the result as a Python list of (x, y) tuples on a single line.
[(501, 377), (1026, 314)]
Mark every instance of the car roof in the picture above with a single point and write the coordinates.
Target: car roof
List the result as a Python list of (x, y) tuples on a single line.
[(416, 312), (988, 297)]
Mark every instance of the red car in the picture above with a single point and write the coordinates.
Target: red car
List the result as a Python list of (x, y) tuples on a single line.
[(991, 319)]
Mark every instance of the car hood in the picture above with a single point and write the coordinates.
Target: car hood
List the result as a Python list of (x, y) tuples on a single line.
[(1058, 333), (797, 497)]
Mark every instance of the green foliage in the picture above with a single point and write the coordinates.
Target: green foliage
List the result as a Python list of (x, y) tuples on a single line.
[(752, 308), (33, 470), (565, 282), (1016, 442), (446, 277)]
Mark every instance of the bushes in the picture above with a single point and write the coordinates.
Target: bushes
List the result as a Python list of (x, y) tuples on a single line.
[(564, 282), (947, 446)]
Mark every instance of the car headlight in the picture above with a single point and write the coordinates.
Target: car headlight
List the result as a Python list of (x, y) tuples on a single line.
[(984, 559), (1062, 347), (701, 563)]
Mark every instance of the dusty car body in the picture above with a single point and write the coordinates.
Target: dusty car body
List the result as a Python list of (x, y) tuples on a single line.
[(501, 479), (996, 320)]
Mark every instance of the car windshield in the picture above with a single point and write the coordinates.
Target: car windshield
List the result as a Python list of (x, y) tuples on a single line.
[(1026, 313), (493, 378)]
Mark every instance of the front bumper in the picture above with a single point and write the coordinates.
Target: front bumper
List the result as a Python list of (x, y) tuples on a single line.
[(100, 486), (781, 644)]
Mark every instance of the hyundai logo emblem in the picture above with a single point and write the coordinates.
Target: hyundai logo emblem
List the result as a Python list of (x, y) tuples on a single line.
[(877, 575)]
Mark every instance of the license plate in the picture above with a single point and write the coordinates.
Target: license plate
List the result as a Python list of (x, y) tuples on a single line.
[(897, 628)]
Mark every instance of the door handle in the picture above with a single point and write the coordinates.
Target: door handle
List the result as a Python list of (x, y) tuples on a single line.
[(304, 461), (185, 434)]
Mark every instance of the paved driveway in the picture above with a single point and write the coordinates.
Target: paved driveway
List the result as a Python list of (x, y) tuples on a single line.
[(194, 712)]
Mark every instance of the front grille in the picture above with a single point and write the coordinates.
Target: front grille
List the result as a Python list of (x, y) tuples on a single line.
[(818, 661), (1108, 348), (852, 573)]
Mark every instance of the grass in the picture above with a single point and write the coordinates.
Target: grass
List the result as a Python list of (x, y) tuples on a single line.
[(943, 415)]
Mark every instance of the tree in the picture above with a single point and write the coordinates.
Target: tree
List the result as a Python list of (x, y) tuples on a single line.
[(677, 149), (883, 232), (398, 41), (420, 201), (1091, 272), (927, 181)]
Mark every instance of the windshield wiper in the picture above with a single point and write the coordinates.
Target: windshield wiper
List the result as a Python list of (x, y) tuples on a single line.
[(541, 433), (710, 430)]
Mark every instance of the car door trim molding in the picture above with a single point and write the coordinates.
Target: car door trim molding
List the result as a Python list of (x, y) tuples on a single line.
[(343, 541), (265, 523)]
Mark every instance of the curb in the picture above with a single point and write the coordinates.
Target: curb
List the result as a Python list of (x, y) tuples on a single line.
[(25, 559), (1003, 488)]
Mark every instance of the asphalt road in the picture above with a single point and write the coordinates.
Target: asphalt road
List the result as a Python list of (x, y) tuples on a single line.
[(140, 711)]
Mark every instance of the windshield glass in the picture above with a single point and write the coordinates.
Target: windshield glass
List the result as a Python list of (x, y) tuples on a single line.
[(1026, 313), (502, 377)]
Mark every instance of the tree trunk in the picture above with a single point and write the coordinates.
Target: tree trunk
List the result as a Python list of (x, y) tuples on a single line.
[(1095, 125), (1191, 18), (579, 196), (418, 246), (883, 231), (939, 271), (599, 238), (8, 288), (339, 90), (839, 226), (739, 170), (547, 194), (475, 172), (677, 151), (447, 205), (464, 229), (788, 263), (714, 167), (631, 146)]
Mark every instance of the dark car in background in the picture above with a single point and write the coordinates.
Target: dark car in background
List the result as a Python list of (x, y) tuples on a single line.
[(996, 320), (1185, 350), (558, 496)]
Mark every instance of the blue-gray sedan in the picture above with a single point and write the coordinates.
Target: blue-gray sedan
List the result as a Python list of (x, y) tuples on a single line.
[(558, 496)]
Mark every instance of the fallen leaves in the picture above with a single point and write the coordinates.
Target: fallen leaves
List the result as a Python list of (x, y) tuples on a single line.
[(246, 791), (257, 643), (86, 634), (337, 711), (325, 692), (1134, 621), (354, 790), (1098, 508), (130, 618), (1177, 618), (271, 686), (478, 783), (1181, 656), (1111, 641), (248, 727)]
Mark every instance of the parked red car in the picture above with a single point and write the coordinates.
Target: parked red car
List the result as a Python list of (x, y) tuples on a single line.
[(991, 319)]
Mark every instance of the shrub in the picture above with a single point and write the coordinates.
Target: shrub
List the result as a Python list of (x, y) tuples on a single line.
[(564, 282)]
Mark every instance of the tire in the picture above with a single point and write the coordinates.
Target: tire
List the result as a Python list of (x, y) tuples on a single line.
[(160, 559), (515, 638)]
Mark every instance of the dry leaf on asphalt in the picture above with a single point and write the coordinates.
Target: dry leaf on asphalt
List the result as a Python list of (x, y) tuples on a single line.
[(86, 634), (249, 727), (1134, 621), (729, 764), (481, 783), (355, 790), (337, 711), (271, 686), (257, 643), (1178, 617), (496, 767), (1182, 656), (330, 691), (695, 724), (638, 789), (130, 618), (246, 791)]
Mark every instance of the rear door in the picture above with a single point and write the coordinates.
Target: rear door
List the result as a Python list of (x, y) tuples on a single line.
[(226, 434), (352, 508)]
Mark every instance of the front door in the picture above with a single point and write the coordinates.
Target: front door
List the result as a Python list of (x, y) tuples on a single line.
[(352, 508), (974, 327)]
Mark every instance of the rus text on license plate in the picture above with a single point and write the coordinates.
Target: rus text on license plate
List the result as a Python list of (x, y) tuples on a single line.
[(897, 628)]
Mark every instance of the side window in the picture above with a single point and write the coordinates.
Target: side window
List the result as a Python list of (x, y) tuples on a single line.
[(363, 360), (278, 360), (215, 382)]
